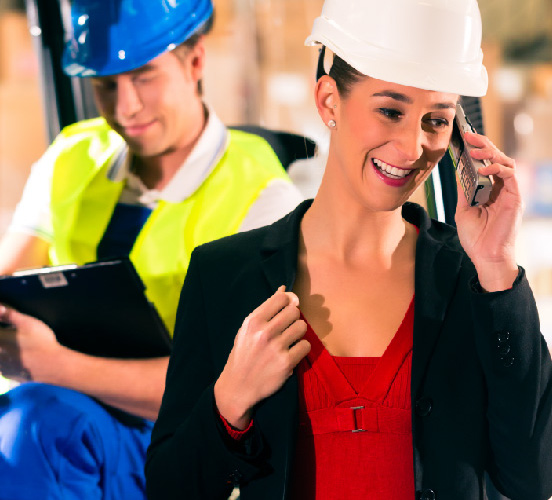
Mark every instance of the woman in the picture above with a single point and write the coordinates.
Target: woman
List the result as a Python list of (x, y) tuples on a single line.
[(382, 355)]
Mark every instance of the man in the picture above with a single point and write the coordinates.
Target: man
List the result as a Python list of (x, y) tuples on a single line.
[(152, 178)]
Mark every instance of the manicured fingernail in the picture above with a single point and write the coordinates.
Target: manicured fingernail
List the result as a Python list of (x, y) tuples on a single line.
[(294, 299)]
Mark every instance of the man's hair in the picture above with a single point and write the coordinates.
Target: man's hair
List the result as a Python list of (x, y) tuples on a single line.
[(182, 50)]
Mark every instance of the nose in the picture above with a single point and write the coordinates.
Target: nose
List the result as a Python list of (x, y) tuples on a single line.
[(410, 142), (127, 100)]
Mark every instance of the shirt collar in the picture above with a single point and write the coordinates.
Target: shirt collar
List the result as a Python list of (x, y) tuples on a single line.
[(207, 152)]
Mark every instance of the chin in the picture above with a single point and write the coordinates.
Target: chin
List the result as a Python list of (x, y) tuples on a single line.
[(143, 150)]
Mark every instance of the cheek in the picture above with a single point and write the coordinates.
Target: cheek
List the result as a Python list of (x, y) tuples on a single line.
[(438, 148), (435, 155), (424, 174), (103, 104), (363, 135), (153, 97)]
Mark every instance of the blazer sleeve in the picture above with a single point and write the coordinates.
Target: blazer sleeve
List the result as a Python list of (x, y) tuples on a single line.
[(518, 370), (190, 455)]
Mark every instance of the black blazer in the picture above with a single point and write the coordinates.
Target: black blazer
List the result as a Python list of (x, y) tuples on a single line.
[(481, 377)]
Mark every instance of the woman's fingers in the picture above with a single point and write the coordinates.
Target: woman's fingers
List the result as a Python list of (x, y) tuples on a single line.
[(270, 307), (293, 333), (478, 140), (298, 351), (274, 304), (498, 170), (286, 317), (486, 150), (274, 315)]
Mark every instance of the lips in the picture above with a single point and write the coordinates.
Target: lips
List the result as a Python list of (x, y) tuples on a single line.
[(391, 175), (136, 129), (391, 171)]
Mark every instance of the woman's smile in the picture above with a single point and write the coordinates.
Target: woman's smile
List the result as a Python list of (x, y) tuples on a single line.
[(390, 174)]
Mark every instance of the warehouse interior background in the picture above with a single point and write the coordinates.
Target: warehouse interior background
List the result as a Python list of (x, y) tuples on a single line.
[(259, 72)]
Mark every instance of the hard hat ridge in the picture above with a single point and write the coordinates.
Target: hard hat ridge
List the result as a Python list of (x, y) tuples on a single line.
[(429, 44), (113, 36)]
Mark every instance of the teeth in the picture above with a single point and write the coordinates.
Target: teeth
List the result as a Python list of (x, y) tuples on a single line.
[(393, 172)]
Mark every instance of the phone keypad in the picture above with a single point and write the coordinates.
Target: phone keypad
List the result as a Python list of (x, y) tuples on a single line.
[(469, 179)]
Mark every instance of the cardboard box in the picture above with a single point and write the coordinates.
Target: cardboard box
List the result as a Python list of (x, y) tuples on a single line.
[(282, 28), (18, 60), (22, 139), (541, 80), (492, 109)]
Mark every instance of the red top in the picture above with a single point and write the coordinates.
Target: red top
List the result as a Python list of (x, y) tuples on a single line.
[(355, 424)]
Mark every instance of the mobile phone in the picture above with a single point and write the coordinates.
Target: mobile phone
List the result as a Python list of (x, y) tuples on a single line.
[(476, 187)]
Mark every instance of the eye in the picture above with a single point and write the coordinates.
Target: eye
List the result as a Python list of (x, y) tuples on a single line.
[(105, 85), (392, 114), (438, 122), (144, 77)]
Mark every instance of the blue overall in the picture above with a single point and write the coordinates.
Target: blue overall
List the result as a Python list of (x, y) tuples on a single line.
[(59, 444)]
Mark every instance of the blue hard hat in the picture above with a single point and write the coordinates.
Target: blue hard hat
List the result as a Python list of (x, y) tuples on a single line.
[(113, 36)]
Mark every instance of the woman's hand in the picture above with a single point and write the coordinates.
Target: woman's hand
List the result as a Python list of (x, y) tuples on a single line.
[(487, 233), (267, 348)]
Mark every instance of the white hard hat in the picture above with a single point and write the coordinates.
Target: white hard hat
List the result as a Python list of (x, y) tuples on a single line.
[(428, 44)]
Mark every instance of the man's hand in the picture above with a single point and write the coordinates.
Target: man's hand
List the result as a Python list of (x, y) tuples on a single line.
[(29, 349), (267, 348)]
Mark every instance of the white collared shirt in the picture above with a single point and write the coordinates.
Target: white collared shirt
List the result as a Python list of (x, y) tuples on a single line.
[(32, 214)]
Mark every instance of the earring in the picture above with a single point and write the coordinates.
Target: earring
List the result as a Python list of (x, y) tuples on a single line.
[(331, 124)]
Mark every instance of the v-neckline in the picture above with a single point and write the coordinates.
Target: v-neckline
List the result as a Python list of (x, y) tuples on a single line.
[(379, 382)]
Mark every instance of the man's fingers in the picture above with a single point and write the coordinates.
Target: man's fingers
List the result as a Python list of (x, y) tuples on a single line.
[(4, 313), (7, 317)]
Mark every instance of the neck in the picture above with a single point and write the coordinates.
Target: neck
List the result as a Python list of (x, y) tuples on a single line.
[(158, 170), (343, 230)]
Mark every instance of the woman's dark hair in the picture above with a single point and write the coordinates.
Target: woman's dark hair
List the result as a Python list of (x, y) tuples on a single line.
[(343, 73)]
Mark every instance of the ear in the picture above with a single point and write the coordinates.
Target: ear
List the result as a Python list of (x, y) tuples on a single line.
[(326, 98), (196, 58)]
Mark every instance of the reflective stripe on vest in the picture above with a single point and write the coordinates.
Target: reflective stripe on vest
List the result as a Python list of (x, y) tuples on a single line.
[(83, 200)]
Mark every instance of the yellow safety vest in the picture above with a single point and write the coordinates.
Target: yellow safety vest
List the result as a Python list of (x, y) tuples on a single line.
[(83, 200)]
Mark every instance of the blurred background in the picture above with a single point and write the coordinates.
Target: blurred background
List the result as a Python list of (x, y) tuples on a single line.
[(259, 72)]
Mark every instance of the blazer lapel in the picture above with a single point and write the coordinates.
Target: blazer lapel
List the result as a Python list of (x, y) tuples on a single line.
[(437, 272), (280, 247), (277, 415)]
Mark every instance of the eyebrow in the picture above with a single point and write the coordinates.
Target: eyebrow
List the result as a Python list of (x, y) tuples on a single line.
[(142, 69), (397, 96)]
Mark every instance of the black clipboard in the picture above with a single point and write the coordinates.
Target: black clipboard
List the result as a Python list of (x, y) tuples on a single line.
[(98, 308)]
